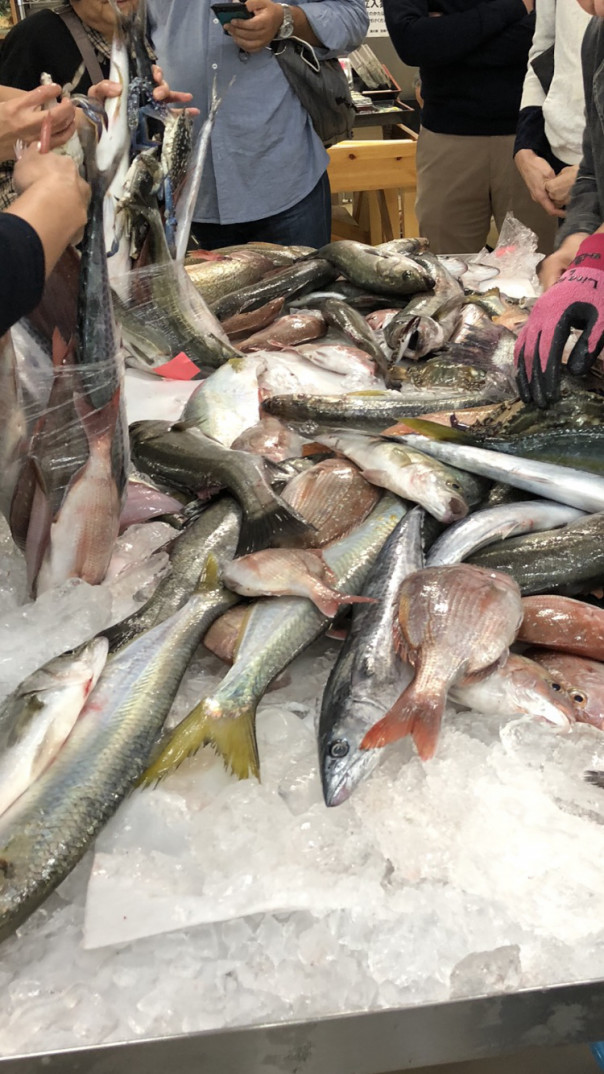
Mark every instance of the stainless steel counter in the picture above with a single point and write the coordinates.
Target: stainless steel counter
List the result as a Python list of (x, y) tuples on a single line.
[(369, 1043)]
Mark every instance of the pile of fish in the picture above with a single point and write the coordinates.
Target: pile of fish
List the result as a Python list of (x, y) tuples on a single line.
[(356, 460)]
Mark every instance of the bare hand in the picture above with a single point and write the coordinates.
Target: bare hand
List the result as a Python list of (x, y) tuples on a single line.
[(551, 269), (559, 188), (21, 119), (536, 172), (252, 35), (529, 5), (162, 92)]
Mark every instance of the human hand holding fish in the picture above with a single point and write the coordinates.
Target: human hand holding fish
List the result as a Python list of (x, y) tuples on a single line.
[(22, 116), (44, 180), (106, 89)]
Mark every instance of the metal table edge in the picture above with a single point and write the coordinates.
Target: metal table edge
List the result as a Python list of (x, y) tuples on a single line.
[(372, 1042)]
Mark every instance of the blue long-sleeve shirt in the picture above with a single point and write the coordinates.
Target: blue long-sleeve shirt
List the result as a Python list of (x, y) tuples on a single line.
[(264, 154), (472, 58)]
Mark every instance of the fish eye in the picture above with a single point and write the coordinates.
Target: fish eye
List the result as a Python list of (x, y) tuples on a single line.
[(579, 699), (339, 748), (455, 486), (555, 686)]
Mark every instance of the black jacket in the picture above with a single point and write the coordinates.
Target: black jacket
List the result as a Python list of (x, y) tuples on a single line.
[(22, 256), (472, 59), (42, 43)]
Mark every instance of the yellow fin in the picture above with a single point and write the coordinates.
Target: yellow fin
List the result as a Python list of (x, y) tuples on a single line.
[(435, 431), (209, 577), (232, 734)]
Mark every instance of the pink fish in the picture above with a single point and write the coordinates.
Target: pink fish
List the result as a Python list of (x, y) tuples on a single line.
[(583, 680), (279, 572), (454, 621)]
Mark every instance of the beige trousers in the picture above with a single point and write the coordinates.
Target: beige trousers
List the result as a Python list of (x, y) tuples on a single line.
[(462, 182)]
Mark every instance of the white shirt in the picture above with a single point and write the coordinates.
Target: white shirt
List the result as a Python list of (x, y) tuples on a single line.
[(563, 25)]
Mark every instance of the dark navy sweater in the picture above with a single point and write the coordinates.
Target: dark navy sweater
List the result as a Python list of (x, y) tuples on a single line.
[(472, 60)]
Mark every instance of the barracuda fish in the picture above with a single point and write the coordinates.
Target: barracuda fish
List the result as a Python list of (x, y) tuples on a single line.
[(356, 297), (560, 483), (369, 410), (285, 284), (582, 449), (382, 272), (333, 496), (455, 622), (227, 402), (495, 523), (581, 678), (368, 675), (214, 279), (406, 473), (49, 828), (278, 255), (214, 533), (556, 622), (39, 715), (570, 557), (277, 631), (184, 457), (519, 687)]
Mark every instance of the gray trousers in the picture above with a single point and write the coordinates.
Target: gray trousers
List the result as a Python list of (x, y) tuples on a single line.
[(464, 181)]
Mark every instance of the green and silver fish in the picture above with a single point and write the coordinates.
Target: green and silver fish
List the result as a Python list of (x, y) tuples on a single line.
[(277, 630), (49, 828)]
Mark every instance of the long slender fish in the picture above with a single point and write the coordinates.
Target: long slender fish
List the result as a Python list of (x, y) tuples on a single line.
[(368, 410), (48, 829), (368, 675), (496, 523), (216, 533), (277, 631), (560, 483)]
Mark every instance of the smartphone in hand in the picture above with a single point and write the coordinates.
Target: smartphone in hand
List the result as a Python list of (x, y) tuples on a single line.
[(232, 10)]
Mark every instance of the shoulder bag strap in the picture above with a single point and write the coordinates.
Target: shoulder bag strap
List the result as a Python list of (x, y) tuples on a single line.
[(77, 31)]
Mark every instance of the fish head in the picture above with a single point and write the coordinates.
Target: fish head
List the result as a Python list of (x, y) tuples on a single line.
[(342, 762), (543, 694), (581, 679), (440, 493)]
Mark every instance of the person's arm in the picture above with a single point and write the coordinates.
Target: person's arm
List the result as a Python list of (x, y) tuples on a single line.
[(423, 41), (584, 213), (21, 119), (506, 48), (336, 25), (53, 201)]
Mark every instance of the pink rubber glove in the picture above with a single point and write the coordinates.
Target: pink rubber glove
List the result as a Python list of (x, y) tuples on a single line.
[(575, 301)]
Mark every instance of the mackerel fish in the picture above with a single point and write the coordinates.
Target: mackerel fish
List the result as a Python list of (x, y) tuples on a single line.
[(49, 828), (277, 631)]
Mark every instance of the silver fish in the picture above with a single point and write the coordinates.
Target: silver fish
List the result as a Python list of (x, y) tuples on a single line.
[(368, 675), (277, 631), (505, 520), (48, 829)]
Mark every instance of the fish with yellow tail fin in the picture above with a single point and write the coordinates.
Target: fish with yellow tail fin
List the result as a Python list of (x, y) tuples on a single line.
[(50, 826), (277, 631)]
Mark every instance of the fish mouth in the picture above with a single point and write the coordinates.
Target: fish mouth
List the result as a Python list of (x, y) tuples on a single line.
[(456, 509)]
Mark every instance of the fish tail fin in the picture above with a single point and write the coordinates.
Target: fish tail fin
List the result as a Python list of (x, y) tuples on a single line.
[(278, 524), (417, 714), (231, 732), (329, 602)]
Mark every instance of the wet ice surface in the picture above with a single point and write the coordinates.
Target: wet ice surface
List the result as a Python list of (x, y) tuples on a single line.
[(33, 632), (478, 872)]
